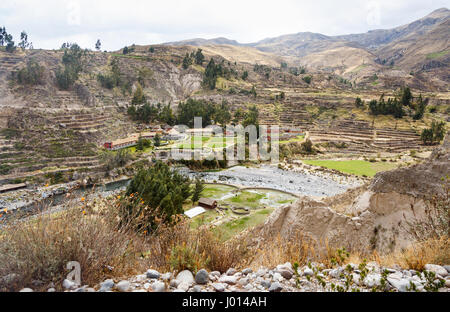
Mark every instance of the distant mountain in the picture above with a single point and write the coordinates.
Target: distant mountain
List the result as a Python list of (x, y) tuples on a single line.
[(298, 45), (204, 42), (305, 43), (420, 46), (376, 38)]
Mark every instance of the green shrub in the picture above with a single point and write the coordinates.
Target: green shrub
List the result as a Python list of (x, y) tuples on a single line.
[(32, 74), (154, 195)]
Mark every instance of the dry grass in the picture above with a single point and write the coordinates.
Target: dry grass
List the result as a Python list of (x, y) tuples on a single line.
[(299, 248), (435, 251), (180, 247), (39, 248)]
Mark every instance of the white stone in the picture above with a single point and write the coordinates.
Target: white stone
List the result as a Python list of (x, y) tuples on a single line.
[(308, 272), (123, 286), (69, 284), (436, 269), (372, 280), (184, 286), (231, 280), (219, 287), (159, 287), (186, 276), (400, 283)]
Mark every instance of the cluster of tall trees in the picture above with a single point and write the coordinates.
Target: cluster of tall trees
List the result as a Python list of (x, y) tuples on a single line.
[(194, 57), (214, 71), (434, 134), (210, 112), (74, 61), (402, 103), (148, 113), (7, 39)]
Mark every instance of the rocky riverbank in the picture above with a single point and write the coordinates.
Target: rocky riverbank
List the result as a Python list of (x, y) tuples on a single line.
[(314, 277)]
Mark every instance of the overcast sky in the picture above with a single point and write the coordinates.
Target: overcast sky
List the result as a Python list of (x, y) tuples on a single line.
[(49, 23)]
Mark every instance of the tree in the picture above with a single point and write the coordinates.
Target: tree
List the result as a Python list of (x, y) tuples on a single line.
[(24, 41), (420, 107), (198, 189), (427, 136), (138, 96), (435, 134), (98, 45), (8, 39), (166, 115), (222, 114), (151, 50), (190, 109), (187, 61), (142, 144), (155, 195), (125, 50), (199, 57), (359, 103), (251, 117), (210, 78), (253, 91), (157, 140), (244, 75), (406, 96), (74, 62), (2, 35)]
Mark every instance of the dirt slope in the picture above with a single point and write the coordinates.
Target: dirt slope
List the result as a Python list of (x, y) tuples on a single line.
[(368, 219)]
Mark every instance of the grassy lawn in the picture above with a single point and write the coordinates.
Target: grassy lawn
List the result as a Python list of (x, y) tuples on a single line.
[(356, 167), (234, 227), (216, 191), (247, 199)]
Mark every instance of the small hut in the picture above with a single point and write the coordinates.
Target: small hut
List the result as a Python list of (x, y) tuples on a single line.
[(207, 203)]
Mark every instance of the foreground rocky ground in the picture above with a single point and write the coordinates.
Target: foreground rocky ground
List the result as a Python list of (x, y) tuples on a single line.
[(284, 278)]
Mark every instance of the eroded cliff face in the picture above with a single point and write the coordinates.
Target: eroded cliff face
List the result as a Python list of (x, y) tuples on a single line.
[(375, 217)]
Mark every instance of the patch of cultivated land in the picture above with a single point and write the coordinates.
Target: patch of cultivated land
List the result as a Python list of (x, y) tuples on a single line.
[(260, 203), (356, 167)]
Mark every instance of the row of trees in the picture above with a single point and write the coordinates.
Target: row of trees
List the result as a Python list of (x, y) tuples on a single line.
[(7, 39), (403, 103), (148, 113), (210, 112)]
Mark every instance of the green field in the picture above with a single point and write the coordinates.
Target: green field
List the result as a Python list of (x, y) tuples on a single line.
[(436, 55), (232, 228), (356, 167), (260, 202), (300, 138)]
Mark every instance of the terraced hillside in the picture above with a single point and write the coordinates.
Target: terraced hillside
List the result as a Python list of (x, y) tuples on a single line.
[(45, 130)]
